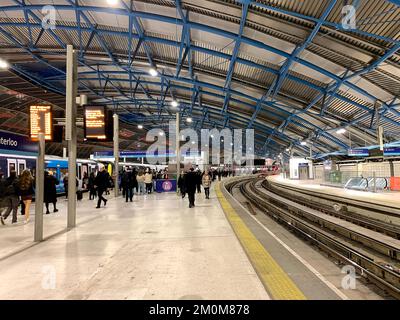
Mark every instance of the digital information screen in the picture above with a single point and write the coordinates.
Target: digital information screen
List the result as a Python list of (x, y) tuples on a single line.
[(95, 123), (41, 121)]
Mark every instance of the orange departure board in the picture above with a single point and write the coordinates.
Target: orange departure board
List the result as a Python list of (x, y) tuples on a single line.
[(95, 123), (41, 121)]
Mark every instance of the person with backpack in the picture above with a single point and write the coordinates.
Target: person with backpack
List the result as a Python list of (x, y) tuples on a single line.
[(50, 191), (10, 197)]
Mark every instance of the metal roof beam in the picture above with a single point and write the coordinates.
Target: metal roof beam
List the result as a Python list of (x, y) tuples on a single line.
[(299, 49)]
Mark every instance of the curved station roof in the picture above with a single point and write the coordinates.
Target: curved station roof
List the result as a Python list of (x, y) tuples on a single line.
[(294, 71)]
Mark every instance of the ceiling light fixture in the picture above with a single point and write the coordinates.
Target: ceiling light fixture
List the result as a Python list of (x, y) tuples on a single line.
[(341, 131), (175, 103), (140, 126), (153, 72), (189, 120), (4, 64), (303, 143), (112, 2)]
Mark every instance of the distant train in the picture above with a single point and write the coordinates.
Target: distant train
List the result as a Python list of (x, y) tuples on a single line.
[(59, 166)]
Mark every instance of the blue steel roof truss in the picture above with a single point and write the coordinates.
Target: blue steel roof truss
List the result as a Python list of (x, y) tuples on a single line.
[(185, 52)]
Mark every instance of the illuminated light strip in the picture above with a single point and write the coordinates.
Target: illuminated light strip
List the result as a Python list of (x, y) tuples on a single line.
[(298, 257), (274, 278)]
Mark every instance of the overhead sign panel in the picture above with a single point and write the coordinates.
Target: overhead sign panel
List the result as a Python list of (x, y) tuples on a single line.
[(393, 151), (17, 144), (96, 123), (41, 121), (358, 152)]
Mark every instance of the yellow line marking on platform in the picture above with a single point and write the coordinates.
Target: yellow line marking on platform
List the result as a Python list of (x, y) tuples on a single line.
[(275, 280)]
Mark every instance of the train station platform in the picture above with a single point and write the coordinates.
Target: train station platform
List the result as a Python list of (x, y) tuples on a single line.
[(153, 248), (390, 198)]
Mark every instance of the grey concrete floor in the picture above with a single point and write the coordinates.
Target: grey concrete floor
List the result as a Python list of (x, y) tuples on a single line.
[(153, 248)]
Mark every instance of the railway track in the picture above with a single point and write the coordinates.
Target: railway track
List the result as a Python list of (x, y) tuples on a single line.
[(365, 244)]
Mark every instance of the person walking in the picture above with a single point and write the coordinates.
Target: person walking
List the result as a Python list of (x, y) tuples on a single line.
[(101, 183), (26, 191), (190, 184), (140, 181), (65, 182), (50, 191), (10, 197), (124, 183), (198, 181), (135, 185), (92, 189), (181, 185), (206, 181), (148, 180), (128, 185)]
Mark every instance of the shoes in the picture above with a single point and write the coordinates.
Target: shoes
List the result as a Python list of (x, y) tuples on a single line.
[(105, 202), (97, 207), (55, 210), (48, 212), (2, 221), (27, 221)]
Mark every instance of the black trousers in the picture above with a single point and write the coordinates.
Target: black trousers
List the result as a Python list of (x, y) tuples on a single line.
[(149, 187), (47, 206), (128, 194), (207, 192), (192, 198), (22, 207), (101, 198), (92, 194), (198, 188)]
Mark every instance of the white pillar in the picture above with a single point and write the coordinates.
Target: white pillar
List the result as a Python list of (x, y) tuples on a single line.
[(70, 131), (116, 154), (39, 194)]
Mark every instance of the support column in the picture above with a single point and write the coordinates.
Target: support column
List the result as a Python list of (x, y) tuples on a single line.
[(178, 145), (70, 131), (116, 154), (39, 194)]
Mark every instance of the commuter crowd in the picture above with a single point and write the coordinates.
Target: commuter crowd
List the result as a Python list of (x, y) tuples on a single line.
[(192, 180), (18, 191)]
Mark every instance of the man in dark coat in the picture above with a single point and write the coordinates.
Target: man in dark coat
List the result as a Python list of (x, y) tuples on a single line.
[(10, 197), (182, 185), (101, 182), (50, 191), (128, 184), (198, 182), (191, 183)]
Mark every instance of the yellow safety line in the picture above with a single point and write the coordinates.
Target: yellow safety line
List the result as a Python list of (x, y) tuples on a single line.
[(275, 280)]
